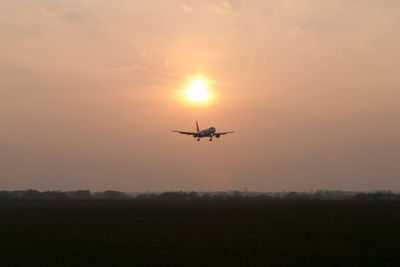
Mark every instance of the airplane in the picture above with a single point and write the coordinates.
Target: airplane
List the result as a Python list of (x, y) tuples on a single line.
[(209, 132)]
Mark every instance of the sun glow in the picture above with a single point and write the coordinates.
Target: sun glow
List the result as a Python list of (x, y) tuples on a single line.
[(197, 91)]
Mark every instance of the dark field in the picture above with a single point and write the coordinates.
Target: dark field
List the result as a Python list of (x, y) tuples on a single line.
[(199, 233)]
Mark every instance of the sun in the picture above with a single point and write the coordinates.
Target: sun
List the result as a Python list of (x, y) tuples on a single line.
[(197, 91)]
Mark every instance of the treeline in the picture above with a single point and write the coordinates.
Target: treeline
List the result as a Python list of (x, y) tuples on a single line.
[(187, 196), (245, 195), (61, 195)]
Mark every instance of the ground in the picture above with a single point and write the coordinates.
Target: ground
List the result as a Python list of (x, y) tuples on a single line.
[(200, 233)]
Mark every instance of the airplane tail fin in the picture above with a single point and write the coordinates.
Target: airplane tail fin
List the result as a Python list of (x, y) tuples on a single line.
[(197, 126)]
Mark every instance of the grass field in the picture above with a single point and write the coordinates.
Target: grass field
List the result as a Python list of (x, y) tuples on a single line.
[(200, 233)]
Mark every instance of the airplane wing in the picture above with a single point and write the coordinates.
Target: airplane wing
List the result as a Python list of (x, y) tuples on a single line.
[(188, 133), (224, 133)]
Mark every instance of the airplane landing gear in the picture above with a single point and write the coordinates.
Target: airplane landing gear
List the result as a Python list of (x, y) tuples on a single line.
[(210, 139), (198, 139)]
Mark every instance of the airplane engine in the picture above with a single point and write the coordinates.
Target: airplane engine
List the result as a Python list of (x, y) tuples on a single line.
[(217, 136)]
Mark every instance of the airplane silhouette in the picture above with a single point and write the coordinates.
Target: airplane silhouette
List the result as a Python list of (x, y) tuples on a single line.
[(209, 132)]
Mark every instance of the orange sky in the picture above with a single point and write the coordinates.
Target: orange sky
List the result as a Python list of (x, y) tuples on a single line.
[(88, 94)]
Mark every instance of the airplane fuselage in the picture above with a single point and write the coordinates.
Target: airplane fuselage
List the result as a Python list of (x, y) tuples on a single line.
[(209, 132)]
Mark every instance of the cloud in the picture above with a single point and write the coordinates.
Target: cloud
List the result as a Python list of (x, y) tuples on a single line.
[(224, 7), (186, 8), (131, 68), (74, 16)]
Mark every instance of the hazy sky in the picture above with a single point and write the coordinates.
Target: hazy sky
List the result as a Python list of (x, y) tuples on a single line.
[(88, 94)]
